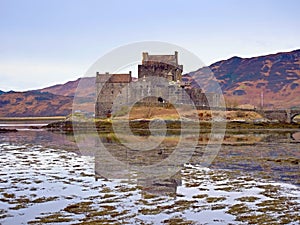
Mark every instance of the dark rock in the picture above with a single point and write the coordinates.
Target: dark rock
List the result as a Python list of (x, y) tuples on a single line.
[(34, 127), (239, 92), (5, 130)]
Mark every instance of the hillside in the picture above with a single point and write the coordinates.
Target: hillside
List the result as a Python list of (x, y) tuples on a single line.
[(34, 103), (273, 79), (69, 88)]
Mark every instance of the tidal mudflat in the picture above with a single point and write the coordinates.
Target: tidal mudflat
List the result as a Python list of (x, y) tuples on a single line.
[(253, 180)]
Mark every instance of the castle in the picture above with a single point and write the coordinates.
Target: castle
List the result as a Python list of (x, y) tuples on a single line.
[(159, 81)]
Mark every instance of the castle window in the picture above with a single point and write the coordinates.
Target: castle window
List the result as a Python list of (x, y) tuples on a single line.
[(160, 99)]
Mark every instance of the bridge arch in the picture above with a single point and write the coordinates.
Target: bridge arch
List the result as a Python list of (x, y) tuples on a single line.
[(282, 115), (293, 115)]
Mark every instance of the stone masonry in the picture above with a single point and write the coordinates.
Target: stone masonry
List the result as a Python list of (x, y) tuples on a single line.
[(159, 81)]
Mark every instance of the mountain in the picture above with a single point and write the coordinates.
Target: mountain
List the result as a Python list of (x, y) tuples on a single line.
[(34, 103), (69, 88), (55, 100), (272, 79)]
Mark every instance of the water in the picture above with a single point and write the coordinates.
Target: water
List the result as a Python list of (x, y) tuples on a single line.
[(253, 179)]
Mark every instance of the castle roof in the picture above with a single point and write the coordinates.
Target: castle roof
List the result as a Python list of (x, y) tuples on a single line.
[(114, 78)]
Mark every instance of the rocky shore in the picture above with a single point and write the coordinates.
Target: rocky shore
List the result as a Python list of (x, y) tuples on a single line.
[(105, 126), (5, 130)]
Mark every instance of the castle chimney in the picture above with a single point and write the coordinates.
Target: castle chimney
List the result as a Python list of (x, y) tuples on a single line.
[(176, 57), (97, 77), (130, 77), (145, 56)]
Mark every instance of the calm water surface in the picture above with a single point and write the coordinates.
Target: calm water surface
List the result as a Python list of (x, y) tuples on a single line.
[(44, 178)]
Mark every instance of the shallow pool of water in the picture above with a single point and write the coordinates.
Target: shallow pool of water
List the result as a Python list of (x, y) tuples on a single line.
[(44, 178)]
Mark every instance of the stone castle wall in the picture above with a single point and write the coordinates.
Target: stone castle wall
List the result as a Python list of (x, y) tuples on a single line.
[(109, 87), (117, 90), (170, 72)]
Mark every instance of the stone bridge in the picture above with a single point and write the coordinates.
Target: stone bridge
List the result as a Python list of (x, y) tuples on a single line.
[(282, 115)]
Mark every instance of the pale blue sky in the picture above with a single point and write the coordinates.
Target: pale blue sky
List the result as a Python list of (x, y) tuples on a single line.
[(45, 42)]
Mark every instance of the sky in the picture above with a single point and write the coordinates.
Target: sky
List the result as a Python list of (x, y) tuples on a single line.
[(48, 42)]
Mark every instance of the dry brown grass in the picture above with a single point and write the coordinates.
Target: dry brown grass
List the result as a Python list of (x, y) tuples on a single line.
[(151, 112)]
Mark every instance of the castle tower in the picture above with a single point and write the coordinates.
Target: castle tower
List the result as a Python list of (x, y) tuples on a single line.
[(165, 66), (109, 87)]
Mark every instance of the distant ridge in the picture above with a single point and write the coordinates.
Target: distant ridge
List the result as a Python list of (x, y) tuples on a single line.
[(34, 103), (69, 88), (244, 80), (274, 77)]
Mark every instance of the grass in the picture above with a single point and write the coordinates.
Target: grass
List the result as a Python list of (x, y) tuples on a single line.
[(215, 199), (178, 220), (50, 219), (79, 208), (248, 199), (238, 209), (141, 127)]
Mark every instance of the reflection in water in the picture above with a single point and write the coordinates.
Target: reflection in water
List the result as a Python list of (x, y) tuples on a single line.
[(134, 164), (162, 187), (40, 137), (254, 179), (272, 154), (296, 136)]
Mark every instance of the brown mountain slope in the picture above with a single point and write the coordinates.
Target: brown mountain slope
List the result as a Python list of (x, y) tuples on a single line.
[(56, 100), (34, 103), (272, 79), (69, 88), (242, 80)]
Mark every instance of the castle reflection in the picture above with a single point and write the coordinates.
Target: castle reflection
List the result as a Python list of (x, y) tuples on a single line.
[(156, 171)]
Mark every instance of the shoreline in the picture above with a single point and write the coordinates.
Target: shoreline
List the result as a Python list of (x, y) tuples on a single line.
[(46, 118), (61, 124), (171, 125)]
